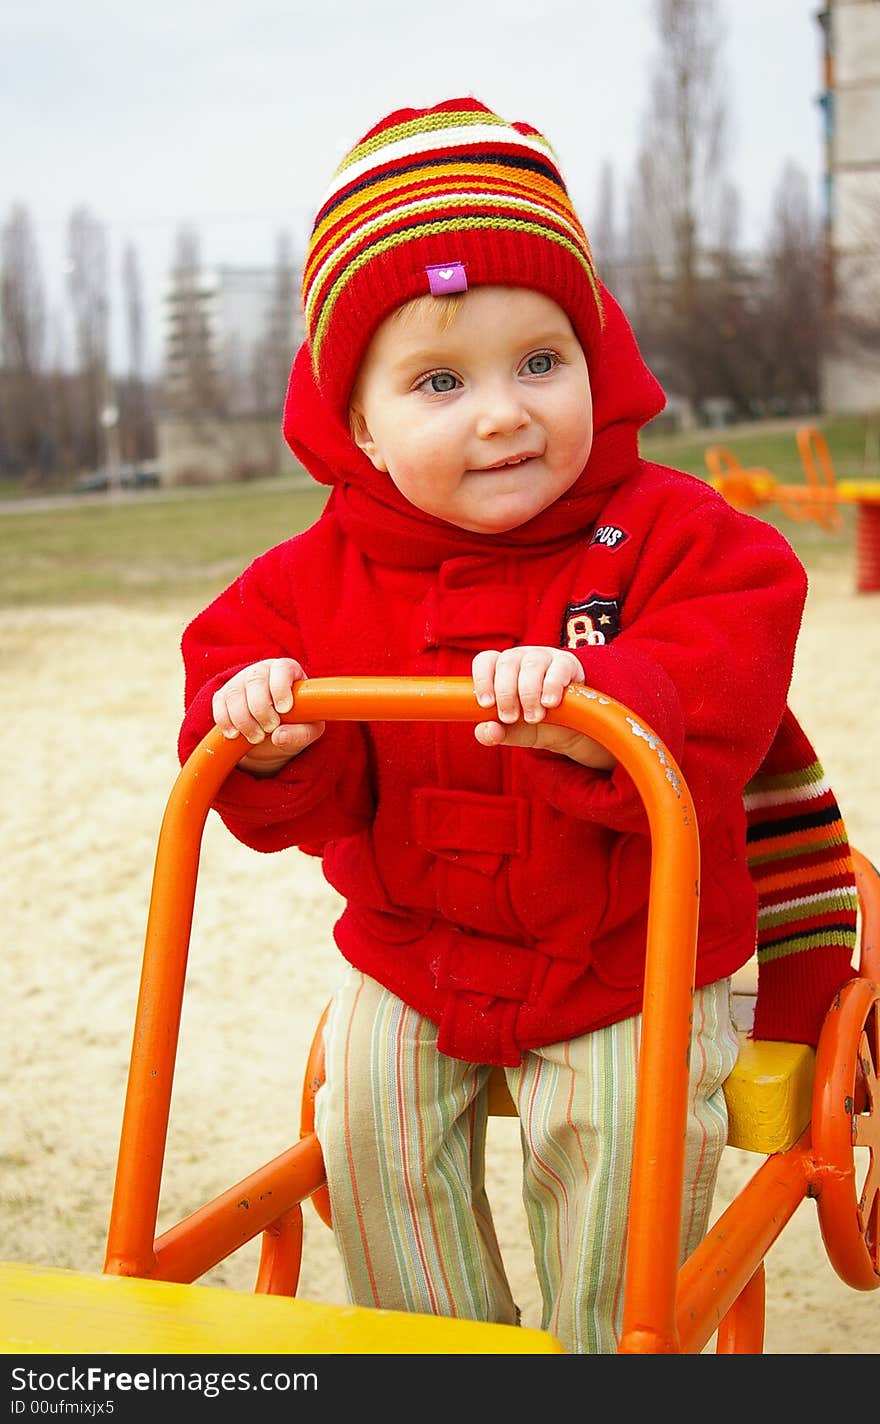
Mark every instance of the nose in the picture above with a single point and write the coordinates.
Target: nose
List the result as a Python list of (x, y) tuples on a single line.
[(501, 411)]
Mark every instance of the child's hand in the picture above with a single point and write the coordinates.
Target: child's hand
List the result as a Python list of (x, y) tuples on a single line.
[(523, 683), (249, 705)]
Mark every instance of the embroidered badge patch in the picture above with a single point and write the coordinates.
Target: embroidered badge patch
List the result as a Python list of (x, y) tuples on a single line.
[(597, 620), (610, 536)]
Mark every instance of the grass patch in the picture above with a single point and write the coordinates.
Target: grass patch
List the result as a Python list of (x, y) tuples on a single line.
[(772, 446), (160, 547), (149, 550)]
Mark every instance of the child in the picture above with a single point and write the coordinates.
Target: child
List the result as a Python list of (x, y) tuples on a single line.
[(473, 396)]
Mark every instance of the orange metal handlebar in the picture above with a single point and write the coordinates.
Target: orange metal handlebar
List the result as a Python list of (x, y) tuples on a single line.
[(658, 1160)]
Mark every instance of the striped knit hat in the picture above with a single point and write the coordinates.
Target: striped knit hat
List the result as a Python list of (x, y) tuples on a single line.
[(436, 201)]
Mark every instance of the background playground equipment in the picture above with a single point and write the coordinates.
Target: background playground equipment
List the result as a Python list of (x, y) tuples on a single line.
[(745, 487), (818, 499), (817, 1134), (821, 500)]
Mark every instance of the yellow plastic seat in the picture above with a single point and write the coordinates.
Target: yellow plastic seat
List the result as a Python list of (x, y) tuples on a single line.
[(49, 1311), (769, 1095)]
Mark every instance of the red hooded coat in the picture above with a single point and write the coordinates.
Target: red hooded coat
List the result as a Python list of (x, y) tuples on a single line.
[(502, 892)]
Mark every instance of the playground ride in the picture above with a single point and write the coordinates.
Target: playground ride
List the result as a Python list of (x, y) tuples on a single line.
[(747, 487), (814, 1117), (818, 499)]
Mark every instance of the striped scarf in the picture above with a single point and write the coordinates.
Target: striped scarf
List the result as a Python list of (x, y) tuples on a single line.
[(800, 860)]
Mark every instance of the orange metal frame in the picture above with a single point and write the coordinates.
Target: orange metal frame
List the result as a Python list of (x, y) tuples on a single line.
[(744, 487), (819, 501), (667, 1309), (750, 488)]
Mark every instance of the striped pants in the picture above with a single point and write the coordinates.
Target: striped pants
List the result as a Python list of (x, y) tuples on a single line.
[(403, 1131)]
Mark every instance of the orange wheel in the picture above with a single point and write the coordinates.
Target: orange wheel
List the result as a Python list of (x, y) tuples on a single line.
[(846, 1134)]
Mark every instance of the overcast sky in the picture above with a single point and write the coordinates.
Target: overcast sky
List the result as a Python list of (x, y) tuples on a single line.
[(232, 115)]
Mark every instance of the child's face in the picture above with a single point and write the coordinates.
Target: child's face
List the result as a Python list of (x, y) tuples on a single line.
[(483, 420)]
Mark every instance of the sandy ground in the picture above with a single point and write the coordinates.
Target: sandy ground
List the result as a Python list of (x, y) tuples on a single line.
[(91, 700)]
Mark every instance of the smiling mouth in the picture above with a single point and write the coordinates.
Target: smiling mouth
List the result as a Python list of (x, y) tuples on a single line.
[(510, 463)]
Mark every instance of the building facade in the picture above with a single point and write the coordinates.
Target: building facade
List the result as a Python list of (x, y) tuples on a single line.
[(229, 334), (851, 105)]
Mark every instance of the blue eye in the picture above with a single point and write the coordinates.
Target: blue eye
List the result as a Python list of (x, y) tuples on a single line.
[(441, 382), (540, 364)]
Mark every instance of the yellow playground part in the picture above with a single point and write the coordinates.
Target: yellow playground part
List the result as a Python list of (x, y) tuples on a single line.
[(813, 1119), (69, 1313)]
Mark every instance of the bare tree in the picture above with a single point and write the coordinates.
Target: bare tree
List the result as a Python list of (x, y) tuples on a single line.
[(26, 447), (603, 230), (61, 399), (135, 418), (134, 312), (87, 286), (792, 304), (678, 210), (729, 219), (193, 384), (643, 277), (273, 354)]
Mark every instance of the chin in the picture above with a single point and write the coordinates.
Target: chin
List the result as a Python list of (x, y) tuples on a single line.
[(497, 526), (512, 519)]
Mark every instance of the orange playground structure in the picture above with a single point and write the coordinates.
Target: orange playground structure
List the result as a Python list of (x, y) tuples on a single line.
[(819, 498), (813, 1120)]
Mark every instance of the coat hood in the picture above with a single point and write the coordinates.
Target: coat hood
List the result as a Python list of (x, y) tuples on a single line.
[(625, 394)]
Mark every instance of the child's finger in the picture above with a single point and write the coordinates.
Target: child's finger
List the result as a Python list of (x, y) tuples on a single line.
[(283, 673), (483, 674), (220, 713), (293, 737), (240, 715), (531, 683), (490, 734), (563, 670), (259, 699), (507, 704)]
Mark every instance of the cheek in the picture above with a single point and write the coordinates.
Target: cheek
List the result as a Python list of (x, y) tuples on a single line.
[(575, 434), (422, 448)]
